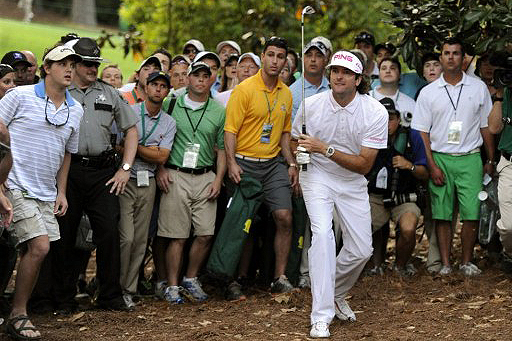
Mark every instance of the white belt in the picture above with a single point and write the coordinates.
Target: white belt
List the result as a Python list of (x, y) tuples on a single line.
[(255, 159), (473, 151)]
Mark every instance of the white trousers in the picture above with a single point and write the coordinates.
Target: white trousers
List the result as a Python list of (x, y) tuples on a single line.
[(505, 202), (332, 277)]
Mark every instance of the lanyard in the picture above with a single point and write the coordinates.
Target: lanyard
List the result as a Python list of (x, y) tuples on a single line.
[(144, 137), (270, 110), (200, 119), (458, 97)]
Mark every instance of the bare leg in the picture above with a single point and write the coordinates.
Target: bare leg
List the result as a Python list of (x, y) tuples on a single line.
[(283, 239), (198, 253), (174, 258), (407, 239), (444, 239), (160, 245), (468, 239)]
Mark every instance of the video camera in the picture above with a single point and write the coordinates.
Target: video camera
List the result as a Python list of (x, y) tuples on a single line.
[(503, 75)]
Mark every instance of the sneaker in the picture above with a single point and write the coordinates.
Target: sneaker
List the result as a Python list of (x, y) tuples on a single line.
[(342, 310), (281, 285), (445, 270), (469, 269), (115, 304), (172, 295), (192, 289), (320, 329), (408, 271), (128, 300), (304, 281), (160, 289), (376, 270), (234, 292)]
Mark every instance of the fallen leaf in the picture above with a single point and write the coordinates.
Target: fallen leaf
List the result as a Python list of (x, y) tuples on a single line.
[(289, 310), (205, 323), (466, 317), (283, 298), (497, 320), (83, 329), (410, 328), (437, 299), (484, 325), (142, 317), (401, 302), (261, 313), (76, 317), (238, 336)]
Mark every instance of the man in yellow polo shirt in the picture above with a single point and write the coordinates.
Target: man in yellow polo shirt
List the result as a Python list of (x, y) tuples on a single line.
[(257, 143)]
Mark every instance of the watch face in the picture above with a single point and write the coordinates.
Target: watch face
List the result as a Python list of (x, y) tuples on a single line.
[(126, 167)]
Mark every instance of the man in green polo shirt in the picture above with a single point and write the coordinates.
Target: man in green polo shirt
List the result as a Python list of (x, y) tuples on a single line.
[(500, 121), (189, 185)]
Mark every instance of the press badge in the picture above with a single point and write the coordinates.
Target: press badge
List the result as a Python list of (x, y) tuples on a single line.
[(191, 155), (142, 178), (454, 132), (265, 134), (382, 179)]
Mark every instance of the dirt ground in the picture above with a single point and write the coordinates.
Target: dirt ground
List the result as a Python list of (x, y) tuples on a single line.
[(387, 308)]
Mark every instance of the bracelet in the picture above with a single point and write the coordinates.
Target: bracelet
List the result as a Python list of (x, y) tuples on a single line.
[(292, 165), (494, 163)]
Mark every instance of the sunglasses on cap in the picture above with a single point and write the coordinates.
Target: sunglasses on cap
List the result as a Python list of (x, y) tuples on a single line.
[(88, 63), (364, 37), (189, 50)]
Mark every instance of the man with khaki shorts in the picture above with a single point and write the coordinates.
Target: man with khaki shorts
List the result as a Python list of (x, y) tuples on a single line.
[(189, 185), (156, 132), (43, 122), (392, 186)]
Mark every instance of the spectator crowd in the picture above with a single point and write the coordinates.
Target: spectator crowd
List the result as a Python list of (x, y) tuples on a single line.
[(191, 163)]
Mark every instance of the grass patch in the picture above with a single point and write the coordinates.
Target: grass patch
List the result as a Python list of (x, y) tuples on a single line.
[(17, 35)]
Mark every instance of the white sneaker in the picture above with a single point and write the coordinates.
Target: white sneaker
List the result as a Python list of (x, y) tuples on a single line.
[(320, 329), (160, 289), (304, 281), (128, 300), (342, 310), (469, 269), (445, 270)]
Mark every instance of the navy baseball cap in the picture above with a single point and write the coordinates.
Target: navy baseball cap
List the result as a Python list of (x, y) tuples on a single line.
[(14, 58), (157, 75)]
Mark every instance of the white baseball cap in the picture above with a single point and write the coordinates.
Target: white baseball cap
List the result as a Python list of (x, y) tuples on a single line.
[(327, 43), (251, 55), (196, 43), (231, 43), (348, 60), (61, 52)]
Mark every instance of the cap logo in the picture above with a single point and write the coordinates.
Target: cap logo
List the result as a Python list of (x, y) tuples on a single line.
[(342, 56), (18, 55)]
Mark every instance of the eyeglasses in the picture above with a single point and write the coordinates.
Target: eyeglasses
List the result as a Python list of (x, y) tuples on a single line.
[(180, 61), (88, 63), (188, 51), (53, 121)]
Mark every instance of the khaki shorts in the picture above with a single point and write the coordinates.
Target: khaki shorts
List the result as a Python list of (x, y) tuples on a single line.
[(32, 218), (381, 214), (187, 204)]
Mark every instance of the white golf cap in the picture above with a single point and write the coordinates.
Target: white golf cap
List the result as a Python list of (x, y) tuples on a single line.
[(348, 60), (205, 54), (150, 60), (327, 43), (61, 52), (231, 43), (251, 55), (196, 43), (196, 66)]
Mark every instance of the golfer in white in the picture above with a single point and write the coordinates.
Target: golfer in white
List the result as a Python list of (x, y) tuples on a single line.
[(345, 129)]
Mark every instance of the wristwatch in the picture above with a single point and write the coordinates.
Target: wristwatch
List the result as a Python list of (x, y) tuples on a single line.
[(329, 152), (413, 167), (126, 166), (292, 165)]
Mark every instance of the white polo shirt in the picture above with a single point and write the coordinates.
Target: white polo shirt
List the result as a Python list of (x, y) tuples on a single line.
[(37, 146), (362, 123), (403, 103), (435, 111)]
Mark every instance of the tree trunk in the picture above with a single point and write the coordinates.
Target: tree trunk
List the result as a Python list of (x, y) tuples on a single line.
[(84, 12)]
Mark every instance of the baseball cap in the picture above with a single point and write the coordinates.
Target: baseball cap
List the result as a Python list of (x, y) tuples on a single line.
[(232, 57), (196, 66), (231, 43), (5, 69), (61, 52), (318, 45), (365, 37), (196, 43), (388, 46), (323, 40), (251, 55), (389, 105), (205, 54), (159, 74), (88, 49), (15, 57), (348, 60), (152, 60), (180, 59)]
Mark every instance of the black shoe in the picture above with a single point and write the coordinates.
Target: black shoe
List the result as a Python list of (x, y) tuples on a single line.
[(41, 307), (506, 264), (234, 292), (115, 304), (67, 308)]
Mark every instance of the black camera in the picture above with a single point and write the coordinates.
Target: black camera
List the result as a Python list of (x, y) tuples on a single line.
[(400, 199), (503, 75)]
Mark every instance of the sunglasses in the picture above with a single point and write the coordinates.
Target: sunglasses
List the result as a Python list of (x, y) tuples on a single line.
[(188, 51), (52, 119), (87, 63)]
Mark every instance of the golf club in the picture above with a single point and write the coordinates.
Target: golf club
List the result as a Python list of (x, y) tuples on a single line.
[(304, 167)]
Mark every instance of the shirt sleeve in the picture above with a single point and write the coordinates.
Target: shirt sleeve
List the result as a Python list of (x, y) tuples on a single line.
[(236, 110), (418, 148), (376, 136), (168, 139), (124, 115), (422, 116), (485, 109), (72, 143), (8, 106)]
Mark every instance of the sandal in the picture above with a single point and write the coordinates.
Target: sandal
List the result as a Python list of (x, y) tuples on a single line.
[(16, 332)]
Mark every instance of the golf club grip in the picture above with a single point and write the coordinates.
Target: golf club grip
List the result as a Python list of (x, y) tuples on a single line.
[(304, 167)]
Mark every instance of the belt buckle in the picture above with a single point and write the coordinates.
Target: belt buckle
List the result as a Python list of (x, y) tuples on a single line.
[(85, 161)]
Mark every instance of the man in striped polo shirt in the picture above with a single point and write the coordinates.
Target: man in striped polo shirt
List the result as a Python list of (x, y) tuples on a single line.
[(44, 122)]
